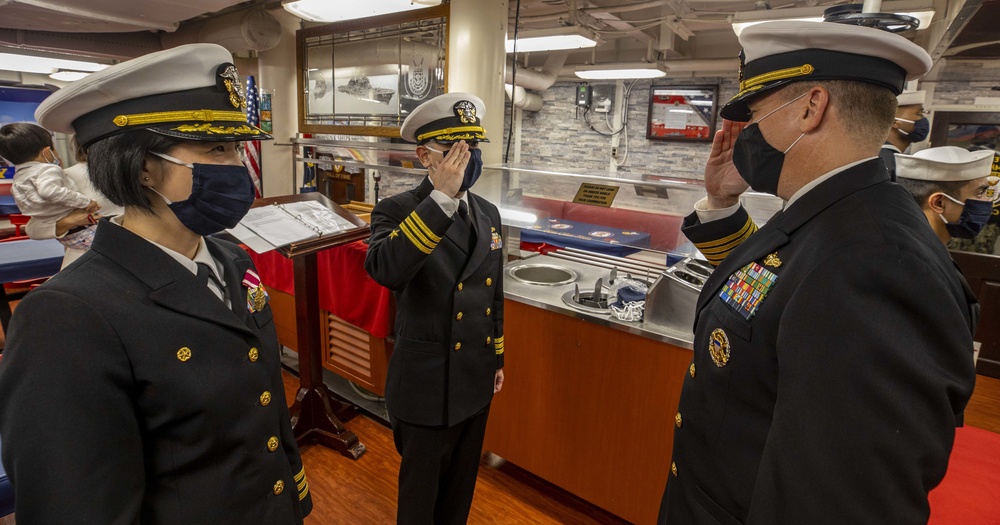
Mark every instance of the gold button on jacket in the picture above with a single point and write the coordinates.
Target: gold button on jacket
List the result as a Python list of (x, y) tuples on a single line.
[(265, 399)]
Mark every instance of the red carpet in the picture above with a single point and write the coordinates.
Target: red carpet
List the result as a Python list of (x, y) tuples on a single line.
[(970, 492)]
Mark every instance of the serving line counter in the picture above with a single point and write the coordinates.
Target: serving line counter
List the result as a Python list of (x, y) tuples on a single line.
[(589, 401)]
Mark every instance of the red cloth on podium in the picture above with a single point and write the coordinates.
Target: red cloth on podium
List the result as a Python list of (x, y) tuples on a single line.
[(968, 493), (345, 288)]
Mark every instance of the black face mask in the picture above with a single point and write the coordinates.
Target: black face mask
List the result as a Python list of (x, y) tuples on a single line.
[(221, 195), (473, 170), (757, 161), (975, 215), (921, 128)]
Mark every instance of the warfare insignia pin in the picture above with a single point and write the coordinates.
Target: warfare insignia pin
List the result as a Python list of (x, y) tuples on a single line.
[(718, 347), (772, 260), (466, 112), (229, 80)]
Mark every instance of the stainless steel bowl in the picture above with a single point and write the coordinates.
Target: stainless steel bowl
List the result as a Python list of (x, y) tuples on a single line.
[(542, 274)]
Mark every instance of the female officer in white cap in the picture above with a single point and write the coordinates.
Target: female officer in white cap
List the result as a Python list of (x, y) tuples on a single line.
[(164, 403), (438, 247), (831, 347)]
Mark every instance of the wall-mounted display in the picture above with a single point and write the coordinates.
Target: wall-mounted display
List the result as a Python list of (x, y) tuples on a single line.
[(682, 112), (364, 79)]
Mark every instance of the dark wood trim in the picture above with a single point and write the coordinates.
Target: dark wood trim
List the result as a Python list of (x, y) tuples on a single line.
[(982, 271)]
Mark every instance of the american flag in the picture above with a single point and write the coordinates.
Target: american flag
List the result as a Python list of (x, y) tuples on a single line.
[(252, 150)]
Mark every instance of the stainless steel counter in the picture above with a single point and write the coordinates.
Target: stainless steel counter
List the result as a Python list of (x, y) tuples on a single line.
[(551, 298)]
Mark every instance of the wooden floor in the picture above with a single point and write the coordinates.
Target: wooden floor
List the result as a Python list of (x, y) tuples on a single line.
[(364, 491)]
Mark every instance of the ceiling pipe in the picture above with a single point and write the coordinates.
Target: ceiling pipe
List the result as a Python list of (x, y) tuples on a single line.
[(522, 99), (246, 30), (538, 80)]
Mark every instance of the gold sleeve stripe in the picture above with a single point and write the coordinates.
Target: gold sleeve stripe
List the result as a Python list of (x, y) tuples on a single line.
[(717, 254), (416, 242), (725, 248), (748, 227), (301, 475), (430, 243), (423, 227), (302, 484), (499, 339), (304, 493)]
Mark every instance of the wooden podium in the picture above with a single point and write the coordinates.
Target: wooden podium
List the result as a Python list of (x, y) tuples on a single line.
[(316, 414)]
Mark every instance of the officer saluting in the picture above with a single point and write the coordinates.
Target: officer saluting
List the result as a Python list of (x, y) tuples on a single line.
[(438, 247), (142, 384), (831, 352)]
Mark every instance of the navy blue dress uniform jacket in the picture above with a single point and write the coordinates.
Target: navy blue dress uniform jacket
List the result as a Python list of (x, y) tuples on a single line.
[(449, 305), (131, 394), (836, 402)]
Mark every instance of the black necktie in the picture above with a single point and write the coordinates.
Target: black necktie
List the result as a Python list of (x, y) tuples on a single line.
[(205, 273), (463, 215)]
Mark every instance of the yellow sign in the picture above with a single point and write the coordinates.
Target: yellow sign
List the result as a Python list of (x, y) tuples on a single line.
[(596, 194)]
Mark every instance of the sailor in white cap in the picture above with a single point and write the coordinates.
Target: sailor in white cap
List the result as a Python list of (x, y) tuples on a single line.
[(142, 384), (438, 246), (825, 387), (952, 186), (910, 126)]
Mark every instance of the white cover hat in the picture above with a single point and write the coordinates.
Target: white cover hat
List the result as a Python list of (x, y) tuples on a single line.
[(190, 92), (779, 53), (911, 98), (944, 164), (446, 118)]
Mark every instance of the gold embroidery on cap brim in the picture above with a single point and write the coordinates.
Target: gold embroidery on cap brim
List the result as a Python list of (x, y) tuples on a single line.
[(159, 117), (219, 130)]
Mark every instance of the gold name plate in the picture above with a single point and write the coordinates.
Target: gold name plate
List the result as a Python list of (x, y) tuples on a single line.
[(596, 194)]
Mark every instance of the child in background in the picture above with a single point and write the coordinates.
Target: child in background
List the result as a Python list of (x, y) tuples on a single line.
[(40, 188)]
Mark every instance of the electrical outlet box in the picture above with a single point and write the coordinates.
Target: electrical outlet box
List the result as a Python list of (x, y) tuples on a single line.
[(583, 94), (602, 98)]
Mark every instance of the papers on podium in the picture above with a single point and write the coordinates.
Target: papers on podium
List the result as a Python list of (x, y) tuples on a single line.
[(265, 228)]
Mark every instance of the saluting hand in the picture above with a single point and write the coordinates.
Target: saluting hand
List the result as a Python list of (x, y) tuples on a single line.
[(723, 182), (447, 175)]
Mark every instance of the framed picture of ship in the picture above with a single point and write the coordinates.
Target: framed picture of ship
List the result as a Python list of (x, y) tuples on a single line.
[(363, 80)]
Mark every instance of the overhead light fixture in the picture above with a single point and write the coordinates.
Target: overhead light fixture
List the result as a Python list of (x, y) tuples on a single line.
[(330, 11), (741, 20), (68, 76), (620, 70), (44, 65), (569, 37)]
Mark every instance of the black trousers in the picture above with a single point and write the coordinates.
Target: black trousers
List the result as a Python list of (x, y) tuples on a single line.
[(437, 474)]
